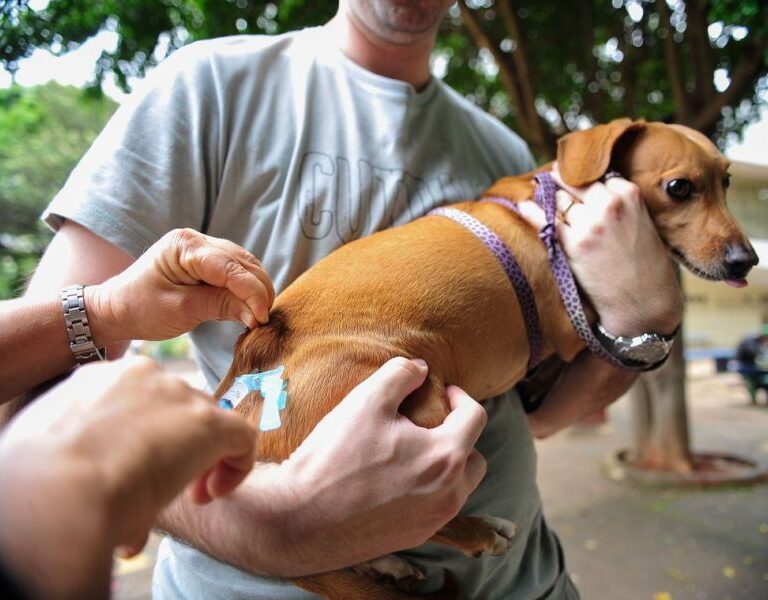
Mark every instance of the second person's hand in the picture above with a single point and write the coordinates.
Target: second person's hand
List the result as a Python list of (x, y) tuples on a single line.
[(182, 280)]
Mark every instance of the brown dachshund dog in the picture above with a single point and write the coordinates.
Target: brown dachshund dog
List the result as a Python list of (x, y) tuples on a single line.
[(431, 289)]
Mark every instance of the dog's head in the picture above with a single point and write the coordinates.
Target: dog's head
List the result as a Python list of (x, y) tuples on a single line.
[(683, 180)]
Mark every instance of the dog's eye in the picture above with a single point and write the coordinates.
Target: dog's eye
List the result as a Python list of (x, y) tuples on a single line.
[(727, 181), (680, 189)]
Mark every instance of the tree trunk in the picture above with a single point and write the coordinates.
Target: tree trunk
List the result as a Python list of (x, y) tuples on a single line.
[(660, 420)]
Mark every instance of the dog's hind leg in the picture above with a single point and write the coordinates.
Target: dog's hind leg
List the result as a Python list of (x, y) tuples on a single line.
[(349, 585), (476, 536)]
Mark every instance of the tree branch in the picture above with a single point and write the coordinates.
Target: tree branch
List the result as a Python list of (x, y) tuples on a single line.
[(542, 137), (672, 63), (508, 81), (627, 71), (702, 54), (595, 102), (519, 59), (750, 66)]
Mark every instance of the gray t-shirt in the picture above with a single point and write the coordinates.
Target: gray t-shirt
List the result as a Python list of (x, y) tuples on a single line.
[(286, 147)]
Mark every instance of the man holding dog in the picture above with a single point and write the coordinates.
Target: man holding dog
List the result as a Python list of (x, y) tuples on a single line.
[(290, 146)]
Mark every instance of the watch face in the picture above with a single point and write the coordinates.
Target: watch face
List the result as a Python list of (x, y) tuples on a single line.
[(651, 351)]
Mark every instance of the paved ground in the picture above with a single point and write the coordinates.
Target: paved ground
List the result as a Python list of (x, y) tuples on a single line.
[(625, 542)]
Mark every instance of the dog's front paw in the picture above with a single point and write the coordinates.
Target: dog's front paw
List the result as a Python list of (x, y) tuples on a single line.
[(392, 568), (503, 531)]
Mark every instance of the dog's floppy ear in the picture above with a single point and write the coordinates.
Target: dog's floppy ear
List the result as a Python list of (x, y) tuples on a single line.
[(583, 157)]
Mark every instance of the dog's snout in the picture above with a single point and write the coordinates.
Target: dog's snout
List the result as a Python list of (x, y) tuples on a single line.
[(739, 259)]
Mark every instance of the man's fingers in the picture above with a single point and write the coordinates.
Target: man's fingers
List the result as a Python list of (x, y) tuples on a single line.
[(226, 476), (573, 191), (235, 440), (221, 304), (132, 547), (591, 195), (197, 491), (216, 482), (623, 187), (388, 387), (222, 271), (249, 262), (467, 418), (221, 264)]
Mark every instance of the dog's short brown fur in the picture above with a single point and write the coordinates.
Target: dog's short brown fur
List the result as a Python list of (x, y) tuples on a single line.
[(430, 289)]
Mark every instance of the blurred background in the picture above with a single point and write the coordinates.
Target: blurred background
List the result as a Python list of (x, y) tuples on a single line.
[(661, 496)]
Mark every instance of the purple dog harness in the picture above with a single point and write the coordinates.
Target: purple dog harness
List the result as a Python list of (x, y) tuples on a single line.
[(569, 293), (545, 198), (514, 273)]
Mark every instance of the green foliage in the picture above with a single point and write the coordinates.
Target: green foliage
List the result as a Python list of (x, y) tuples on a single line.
[(144, 26), (43, 133), (589, 60), (175, 348), (593, 60)]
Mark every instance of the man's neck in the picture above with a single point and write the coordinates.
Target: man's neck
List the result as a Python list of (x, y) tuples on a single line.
[(406, 62)]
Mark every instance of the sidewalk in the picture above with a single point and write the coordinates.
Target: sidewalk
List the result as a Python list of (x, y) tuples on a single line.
[(624, 542)]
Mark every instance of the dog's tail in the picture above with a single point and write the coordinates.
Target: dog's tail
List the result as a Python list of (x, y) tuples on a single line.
[(257, 349)]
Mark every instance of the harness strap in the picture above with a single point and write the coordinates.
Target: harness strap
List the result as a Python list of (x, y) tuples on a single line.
[(515, 274), (569, 293)]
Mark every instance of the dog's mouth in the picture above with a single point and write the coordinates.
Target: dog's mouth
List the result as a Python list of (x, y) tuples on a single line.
[(710, 275)]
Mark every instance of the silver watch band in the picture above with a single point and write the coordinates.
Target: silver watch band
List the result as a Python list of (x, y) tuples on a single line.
[(76, 320), (645, 351)]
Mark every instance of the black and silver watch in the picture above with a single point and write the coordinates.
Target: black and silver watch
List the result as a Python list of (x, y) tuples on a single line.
[(76, 319), (645, 351)]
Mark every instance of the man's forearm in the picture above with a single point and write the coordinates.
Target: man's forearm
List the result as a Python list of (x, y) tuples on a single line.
[(269, 526), (35, 339), (36, 343), (587, 385), (246, 529)]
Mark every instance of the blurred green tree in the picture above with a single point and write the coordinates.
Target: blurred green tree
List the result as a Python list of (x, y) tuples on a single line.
[(43, 133), (544, 68)]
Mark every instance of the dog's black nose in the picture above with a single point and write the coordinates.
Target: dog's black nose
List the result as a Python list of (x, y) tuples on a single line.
[(739, 259)]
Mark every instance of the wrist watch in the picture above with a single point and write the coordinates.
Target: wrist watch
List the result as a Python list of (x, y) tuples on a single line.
[(645, 351), (76, 319)]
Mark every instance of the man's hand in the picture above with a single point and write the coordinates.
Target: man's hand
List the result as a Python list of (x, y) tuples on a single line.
[(624, 269), (370, 473), (182, 280), (617, 256), (366, 482), (185, 278), (90, 464)]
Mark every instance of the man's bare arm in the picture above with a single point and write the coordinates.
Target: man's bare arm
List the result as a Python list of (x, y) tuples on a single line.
[(627, 275), (34, 333), (587, 385), (312, 512), (182, 280), (332, 503)]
